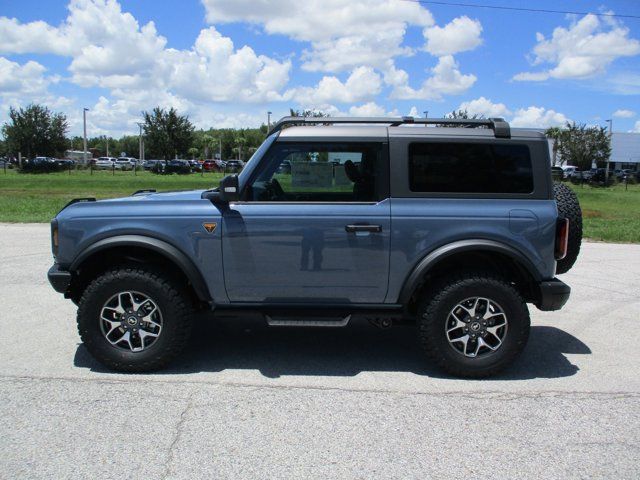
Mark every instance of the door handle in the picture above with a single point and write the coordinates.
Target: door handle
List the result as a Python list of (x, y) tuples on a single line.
[(363, 228)]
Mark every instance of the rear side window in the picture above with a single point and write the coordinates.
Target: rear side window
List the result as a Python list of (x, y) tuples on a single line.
[(470, 168)]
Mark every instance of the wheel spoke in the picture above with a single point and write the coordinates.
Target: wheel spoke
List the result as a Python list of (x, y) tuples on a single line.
[(464, 340), (113, 324)]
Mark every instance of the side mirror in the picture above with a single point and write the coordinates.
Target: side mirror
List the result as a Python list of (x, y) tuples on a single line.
[(229, 189)]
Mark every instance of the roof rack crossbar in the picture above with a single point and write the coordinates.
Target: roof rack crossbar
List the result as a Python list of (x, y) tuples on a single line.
[(499, 126)]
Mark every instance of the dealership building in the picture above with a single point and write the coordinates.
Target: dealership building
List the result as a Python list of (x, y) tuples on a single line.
[(625, 151)]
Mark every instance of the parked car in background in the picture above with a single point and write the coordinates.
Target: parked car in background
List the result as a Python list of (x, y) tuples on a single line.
[(234, 166), (196, 166), (123, 163), (177, 166), (132, 161), (569, 170), (105, 163), (40, 160), (213, 165), (153, 164), (65, 162)]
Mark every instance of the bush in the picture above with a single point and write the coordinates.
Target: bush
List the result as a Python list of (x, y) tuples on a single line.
[(41, 167)]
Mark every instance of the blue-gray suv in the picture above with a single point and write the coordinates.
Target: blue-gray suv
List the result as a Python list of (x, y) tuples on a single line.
[(454, 225)]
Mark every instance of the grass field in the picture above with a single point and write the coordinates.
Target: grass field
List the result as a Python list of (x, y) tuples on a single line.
[(38, 197), (611, 214)]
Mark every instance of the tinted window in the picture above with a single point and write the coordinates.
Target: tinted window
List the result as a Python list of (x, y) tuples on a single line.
[(470, 168), (320, 172)]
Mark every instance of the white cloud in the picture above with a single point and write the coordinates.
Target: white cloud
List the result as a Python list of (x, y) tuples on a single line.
[(583, 50), (26, 83), (109, 49), (370, 109), (460, 35), (636, 127), (445, 79), (363, 83), (343, 35), (622, 113), (537, 117), (484, 106)]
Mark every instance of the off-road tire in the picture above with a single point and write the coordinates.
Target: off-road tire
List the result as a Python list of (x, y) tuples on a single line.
[(569, 207), (174, 303), (434, 311)]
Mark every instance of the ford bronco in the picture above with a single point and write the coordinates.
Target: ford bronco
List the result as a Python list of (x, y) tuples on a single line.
[(454, 225)]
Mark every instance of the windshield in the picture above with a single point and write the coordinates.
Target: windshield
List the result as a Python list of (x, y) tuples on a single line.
[(255, 158)]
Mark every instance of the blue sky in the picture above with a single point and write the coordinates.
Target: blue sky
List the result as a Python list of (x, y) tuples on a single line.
[(228, 62)]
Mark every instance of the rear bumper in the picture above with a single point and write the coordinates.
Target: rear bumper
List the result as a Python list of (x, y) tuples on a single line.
[(553, 294), (59, 279)]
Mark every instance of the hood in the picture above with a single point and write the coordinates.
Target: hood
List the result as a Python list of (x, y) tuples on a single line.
[(161, 196)]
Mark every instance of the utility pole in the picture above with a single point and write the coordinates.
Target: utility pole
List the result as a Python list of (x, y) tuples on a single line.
[(268, 121), (84, 143), (426, 114), (107, 140), (220, 150), (606, 172)]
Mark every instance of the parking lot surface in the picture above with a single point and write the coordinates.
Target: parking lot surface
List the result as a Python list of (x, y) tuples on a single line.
[(246, 401)]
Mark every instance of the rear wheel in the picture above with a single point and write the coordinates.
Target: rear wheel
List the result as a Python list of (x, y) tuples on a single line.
[(134, 319), (475, 325)]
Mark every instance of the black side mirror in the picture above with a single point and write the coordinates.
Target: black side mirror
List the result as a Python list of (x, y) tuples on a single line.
[(229, 189)]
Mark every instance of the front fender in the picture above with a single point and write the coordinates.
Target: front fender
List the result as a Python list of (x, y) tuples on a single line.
[(170, 252)]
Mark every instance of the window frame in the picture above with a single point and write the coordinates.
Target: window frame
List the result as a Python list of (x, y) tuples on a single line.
[(399, 161), (383, 170)]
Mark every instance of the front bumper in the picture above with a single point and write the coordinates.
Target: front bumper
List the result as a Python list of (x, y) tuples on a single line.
[(59, 279), (553, 294)]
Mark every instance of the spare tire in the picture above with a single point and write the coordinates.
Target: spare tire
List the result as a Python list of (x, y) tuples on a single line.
[(569, 207)]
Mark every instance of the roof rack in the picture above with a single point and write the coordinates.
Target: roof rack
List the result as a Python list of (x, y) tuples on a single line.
[(499, 126)]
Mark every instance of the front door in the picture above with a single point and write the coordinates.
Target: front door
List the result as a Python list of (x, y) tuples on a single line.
[(313, 226)]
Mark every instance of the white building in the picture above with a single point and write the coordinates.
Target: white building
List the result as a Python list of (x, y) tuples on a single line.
[(625, 151)]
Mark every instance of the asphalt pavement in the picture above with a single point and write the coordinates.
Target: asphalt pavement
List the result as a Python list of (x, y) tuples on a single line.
[(247, 401)]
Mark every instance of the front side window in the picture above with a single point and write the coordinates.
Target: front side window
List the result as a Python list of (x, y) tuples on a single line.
[(470, 168), (320, 172)]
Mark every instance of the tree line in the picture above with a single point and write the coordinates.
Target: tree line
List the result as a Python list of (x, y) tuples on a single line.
[(37, 131)]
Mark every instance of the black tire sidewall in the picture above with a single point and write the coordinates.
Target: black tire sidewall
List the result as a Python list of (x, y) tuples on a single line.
[(161, 292), (432, 327)]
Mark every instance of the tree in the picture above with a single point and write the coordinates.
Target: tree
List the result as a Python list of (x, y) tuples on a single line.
[(167, 134), (460, 115), (583, 146), (554, 134), (36, 131)]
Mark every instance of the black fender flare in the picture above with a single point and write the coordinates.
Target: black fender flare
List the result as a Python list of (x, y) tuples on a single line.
[(171, 253), (471, 245)]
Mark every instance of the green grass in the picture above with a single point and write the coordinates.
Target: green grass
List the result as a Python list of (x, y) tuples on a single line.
[(610, 214), (38, 197)]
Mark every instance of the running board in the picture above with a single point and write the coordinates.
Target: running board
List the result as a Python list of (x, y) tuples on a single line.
[(318, 322)]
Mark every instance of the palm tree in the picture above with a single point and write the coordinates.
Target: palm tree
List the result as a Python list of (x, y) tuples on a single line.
[(555, 134)]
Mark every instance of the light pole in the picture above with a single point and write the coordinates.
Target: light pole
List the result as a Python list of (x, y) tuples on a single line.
[(84, 142), (606, 172), (140, 143), (268, 121), (426, 114)]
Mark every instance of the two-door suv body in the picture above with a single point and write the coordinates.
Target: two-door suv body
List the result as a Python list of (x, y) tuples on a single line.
[(396, 220)]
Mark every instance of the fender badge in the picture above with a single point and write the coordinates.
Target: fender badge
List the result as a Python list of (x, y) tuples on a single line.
[(210, 227)]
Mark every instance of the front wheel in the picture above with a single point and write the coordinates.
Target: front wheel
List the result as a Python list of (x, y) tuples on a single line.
[(134, 319), (474, 325)]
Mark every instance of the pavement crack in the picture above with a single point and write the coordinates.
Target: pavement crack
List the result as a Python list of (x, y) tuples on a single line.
[(168, 470)]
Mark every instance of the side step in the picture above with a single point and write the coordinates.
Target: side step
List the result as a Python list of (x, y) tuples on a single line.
[(316, 322)]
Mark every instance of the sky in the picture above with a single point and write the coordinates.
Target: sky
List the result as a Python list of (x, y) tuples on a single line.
[(226, 63)]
